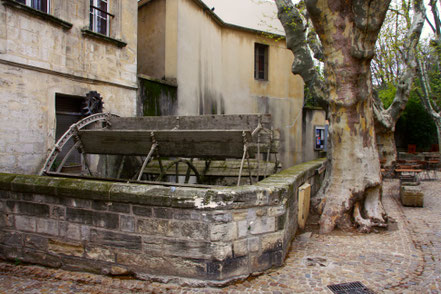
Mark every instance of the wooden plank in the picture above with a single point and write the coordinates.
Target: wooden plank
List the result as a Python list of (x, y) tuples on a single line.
[(224, 168), (304, 203), (408, 170), (116, 142), (204, 122), (197, 122), (176, 143)]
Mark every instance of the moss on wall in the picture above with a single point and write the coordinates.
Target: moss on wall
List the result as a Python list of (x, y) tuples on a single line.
[(158, 98)]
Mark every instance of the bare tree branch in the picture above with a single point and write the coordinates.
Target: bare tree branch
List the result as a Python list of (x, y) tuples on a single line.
[(405, 81), (431, 25), (427, 92), (315, 45), (436, 18)]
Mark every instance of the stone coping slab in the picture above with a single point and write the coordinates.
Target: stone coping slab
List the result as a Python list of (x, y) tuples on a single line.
[(266, 192)]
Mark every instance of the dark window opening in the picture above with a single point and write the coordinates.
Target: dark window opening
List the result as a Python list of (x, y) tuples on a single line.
[(68, 112), (260, 62)]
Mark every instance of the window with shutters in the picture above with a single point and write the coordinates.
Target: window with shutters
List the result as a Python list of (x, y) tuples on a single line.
[(260, 62)]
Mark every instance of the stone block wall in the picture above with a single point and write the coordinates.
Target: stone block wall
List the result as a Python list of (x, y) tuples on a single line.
[(29, 38), (28, 115), (45, 54), (411, 195), (192, 235)]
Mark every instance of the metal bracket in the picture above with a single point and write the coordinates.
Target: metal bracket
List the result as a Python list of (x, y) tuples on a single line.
[(147, 159), (245, 154), (80, 148)]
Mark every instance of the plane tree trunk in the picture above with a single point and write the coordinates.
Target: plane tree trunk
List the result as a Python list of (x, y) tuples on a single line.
[(351, 194), (387, 148)]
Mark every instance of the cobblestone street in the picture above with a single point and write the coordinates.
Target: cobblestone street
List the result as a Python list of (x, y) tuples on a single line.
[(404, 259)]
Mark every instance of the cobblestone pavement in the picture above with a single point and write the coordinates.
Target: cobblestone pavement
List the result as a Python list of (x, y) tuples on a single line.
[(403, 259)]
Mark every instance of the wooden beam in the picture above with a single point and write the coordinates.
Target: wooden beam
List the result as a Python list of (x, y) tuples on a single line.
[(218, 168), (173, 143), (198, 122)]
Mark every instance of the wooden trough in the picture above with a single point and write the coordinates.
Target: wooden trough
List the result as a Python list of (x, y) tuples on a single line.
[(194, 141)]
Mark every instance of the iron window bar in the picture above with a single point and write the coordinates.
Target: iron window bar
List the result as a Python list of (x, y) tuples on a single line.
[(103, 11)]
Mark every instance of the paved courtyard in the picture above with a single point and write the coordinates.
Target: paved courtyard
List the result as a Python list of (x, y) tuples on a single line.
[(404, 259)]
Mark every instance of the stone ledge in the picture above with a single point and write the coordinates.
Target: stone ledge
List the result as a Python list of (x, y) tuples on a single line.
[(37, 13), (5, 181), (92, 34), (270, 191)]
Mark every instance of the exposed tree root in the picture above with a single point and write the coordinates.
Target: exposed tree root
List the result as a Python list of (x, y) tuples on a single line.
[(364, 213), (373, 207), (365, 225)]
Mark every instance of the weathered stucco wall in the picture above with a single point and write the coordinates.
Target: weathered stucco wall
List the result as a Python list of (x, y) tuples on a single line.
[(216, 65), (151, 39), (215, 72), (210, 236), (200, 62), (216, 69), (39, 58)]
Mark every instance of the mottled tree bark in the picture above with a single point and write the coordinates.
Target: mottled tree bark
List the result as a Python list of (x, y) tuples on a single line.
[(386, 119), (387, 148), (348, 30), (352, 191), (297, 41), (438, 131)]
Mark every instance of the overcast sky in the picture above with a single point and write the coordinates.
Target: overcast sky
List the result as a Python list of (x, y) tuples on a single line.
[(257, 14), (262, 14)]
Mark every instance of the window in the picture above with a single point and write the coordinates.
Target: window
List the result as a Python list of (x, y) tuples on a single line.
[(99, 16), (42, 5), (260, 62)]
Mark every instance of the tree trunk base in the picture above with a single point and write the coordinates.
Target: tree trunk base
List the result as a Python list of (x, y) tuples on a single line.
[(362, 211)]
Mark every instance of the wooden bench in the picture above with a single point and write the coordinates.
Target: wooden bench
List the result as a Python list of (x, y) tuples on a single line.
[(408, 174)]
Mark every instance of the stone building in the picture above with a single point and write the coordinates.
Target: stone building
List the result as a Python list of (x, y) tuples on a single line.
[(53, 52), (192, 62)]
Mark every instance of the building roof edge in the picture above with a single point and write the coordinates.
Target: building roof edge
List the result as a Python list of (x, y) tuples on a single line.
[(219, 20)]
